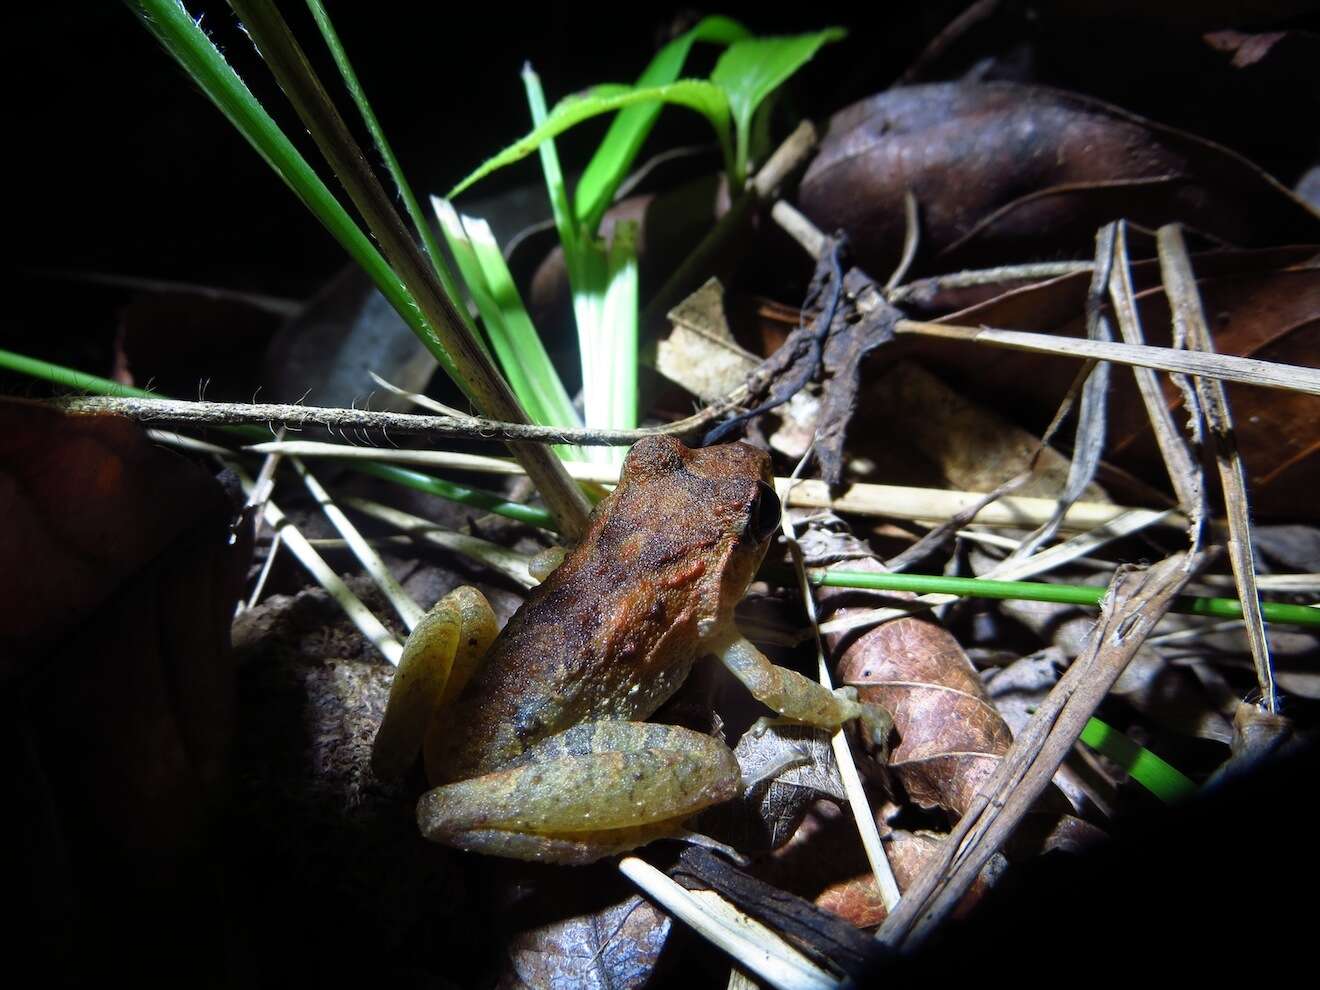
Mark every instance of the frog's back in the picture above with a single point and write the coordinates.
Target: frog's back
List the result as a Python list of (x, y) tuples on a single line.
[(614, 630)]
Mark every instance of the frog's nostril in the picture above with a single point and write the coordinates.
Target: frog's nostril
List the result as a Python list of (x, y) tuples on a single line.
[(764, 512)]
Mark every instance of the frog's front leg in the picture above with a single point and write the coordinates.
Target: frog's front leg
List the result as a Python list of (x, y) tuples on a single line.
[(797, 697), (438, 660), (590, 791)]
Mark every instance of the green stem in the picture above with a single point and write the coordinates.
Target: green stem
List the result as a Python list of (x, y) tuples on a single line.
[(1066, 594), (1165, 781), (383, 146), (183, 39)]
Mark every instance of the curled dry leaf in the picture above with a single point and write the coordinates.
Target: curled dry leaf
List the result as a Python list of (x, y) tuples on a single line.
[(585, 927), (1006, 173), (785, 769), (950, 735)]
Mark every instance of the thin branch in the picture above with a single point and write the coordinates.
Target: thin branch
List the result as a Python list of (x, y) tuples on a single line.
[(928, 288), (783, 162), (1137, 600)]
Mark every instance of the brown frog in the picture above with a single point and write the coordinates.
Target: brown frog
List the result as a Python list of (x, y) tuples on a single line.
[(537, 738)]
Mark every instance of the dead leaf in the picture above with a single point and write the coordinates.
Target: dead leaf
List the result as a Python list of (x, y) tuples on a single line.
[(950, 735), (1006, 173), (1260, 304), (119, 582), (584, 927)]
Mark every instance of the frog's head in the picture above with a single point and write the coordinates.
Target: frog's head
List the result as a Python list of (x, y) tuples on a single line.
[(710, 512)]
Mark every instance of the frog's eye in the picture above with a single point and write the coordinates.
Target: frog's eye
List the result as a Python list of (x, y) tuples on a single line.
[(763, 514)]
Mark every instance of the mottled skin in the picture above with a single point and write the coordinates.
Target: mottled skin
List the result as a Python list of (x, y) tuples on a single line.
[(614, 630), (544, 754)]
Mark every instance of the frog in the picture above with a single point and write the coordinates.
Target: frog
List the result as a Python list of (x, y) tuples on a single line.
[(535, 740)]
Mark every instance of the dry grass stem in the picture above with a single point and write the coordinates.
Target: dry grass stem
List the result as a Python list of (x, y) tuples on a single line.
[(892, 501), (751, 944), (1225, 367), (1190, 326), (852, 781), (1183, 468), (508, 562), (357, 612), (407, 609)]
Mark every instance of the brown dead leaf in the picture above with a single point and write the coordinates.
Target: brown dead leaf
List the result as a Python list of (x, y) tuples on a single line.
[(1006, 173), (950, 735), (584, 927), (119, 583), (1260, 304), (825, 863)]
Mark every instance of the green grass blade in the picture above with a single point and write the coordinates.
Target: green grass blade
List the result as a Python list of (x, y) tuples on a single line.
[(1037, 591), (565, 221), (493, 502), (751, 70), (618, 150), (695, 94), (1164, 781), (172, 26), (477, 498), (517, 345), (383, 146), (620, 322)]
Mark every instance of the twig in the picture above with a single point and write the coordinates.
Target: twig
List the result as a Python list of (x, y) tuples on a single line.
[(782, 163), (852, 781), (1137, 600), (1190, 325), (927, 288), (1184, 472)]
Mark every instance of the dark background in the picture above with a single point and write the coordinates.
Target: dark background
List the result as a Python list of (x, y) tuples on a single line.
[(119, 165)]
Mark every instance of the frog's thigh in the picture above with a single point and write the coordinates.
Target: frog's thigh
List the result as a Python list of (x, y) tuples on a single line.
[(438, 660), (795, 696), (597, 788)]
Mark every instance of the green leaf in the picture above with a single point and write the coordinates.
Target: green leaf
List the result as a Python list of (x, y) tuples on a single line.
[(175, 29), (695, 94), (622, 142), (517, 346), (1164, 781), (751, 70)]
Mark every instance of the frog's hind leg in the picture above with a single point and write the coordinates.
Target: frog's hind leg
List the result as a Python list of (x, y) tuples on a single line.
[(596, 789), (799, 698), (438, 660)]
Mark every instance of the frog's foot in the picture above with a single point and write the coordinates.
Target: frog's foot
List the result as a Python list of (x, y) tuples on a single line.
[(800, 699), (438, 660), (591, 791)]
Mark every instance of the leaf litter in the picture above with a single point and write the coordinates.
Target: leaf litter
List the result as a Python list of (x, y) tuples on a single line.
[(1009, 182)]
